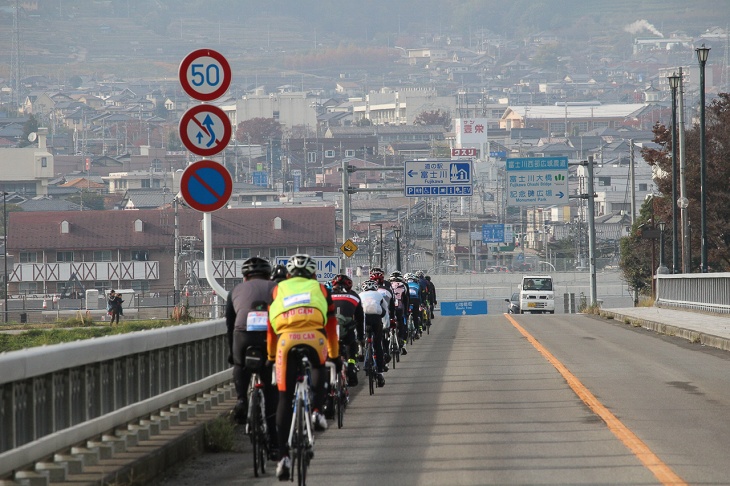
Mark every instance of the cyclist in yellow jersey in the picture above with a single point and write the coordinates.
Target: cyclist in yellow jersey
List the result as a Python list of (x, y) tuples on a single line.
[(301, 314)]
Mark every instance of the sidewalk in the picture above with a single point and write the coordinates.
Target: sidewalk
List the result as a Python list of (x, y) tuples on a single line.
[(697, 327)]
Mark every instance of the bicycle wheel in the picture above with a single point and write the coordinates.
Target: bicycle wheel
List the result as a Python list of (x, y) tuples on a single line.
[(410, 330), (253, 429), (369, 368), (262, 434), (342, 401), (301, 450), (394, 354)]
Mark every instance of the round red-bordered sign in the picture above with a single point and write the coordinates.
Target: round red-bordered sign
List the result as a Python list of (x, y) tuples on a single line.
[(205, 130), (205, 74), (206, 185)]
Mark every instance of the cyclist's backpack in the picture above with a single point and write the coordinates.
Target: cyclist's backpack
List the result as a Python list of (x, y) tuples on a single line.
[(371, 305), (399, 288), (346, 324)]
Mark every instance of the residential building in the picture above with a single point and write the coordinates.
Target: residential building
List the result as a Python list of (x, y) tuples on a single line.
[(135, 249), (27, 170)]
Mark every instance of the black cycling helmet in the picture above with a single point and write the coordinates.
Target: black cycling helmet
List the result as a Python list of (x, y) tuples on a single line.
[(301, 265), (279, 273), (342, 281), (428, 277), (255, 266)]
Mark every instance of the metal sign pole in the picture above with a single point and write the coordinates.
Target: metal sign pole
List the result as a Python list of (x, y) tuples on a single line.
[(208, 256)]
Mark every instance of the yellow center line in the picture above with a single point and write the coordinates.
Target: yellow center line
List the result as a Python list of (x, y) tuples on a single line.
[(652, 462)]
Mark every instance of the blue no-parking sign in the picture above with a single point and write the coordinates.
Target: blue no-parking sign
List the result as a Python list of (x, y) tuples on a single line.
[(206, 185)]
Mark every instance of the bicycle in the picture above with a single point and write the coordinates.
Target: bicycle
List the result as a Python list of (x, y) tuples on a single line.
[(256, 426), (426, 318), (393, 346), (411, 328), (338, 394), (301, 439), (370, 366)]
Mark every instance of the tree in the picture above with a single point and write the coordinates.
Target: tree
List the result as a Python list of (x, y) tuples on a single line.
[(717, 152), (30, 126), (88, 199), (636, 261), (434, 117), (258, 131)]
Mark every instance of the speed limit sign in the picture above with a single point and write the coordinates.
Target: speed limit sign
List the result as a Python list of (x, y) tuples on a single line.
[(205, 74)]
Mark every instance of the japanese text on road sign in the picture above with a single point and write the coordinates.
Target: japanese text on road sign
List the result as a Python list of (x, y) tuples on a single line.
[(438, 178), (541, 181)]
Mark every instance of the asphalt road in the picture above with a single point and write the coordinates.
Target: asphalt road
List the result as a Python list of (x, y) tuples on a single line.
[(477, 403)]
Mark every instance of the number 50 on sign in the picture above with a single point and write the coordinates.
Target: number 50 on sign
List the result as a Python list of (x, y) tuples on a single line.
[(205, 74)]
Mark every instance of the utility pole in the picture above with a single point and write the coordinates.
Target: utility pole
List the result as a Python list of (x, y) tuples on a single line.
[(683, 213), (591, 232)]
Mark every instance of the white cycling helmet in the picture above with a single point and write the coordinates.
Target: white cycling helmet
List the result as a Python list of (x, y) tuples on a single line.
[(369, 285), (301, 265)]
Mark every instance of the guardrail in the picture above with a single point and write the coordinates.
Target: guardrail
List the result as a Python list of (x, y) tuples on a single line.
[(53, 397), (708, 292)]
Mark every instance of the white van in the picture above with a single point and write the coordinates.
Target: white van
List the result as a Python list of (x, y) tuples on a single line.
[(537, 295)]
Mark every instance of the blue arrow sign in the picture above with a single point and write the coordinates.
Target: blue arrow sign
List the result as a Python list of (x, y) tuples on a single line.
[(412, 173), (208, 124), (327, 266)]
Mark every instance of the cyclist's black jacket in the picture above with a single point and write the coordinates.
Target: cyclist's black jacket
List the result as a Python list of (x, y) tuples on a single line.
[(431, 291), (348, 303), (248, 296)]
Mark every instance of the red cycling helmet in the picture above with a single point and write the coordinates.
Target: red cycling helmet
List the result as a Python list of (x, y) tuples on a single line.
[(377, 275), (342, 281)]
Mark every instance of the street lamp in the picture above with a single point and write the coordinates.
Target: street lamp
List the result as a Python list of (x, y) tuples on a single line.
[(396, 233), (702, 54), (674, 84)]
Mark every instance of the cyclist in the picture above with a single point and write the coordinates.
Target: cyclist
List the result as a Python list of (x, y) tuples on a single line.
[(415, 295), (426, 296), (279, 273), (401, 302), (432, 294), (246, 317), (373, 305), (301, 314), (348, 309), (377, 275)]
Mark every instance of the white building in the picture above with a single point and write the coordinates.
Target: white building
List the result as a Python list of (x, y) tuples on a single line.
[(27, 170)]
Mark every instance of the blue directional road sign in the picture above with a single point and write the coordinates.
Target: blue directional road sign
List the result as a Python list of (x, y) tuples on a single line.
[(492, 233), (464, 308), (426, 178), (327, 266), (537, 181), (260, 178)]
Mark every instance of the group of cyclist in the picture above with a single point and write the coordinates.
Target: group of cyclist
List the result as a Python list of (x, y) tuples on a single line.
[(277, 309)]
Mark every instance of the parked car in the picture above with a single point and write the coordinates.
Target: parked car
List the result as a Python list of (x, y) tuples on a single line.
[(497, 269), (513, 304)]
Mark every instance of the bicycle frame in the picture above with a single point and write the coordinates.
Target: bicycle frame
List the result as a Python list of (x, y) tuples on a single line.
[(302, 391)]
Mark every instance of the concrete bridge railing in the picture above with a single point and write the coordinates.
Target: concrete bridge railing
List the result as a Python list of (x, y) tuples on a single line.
[(708, 292), (53, 397)]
